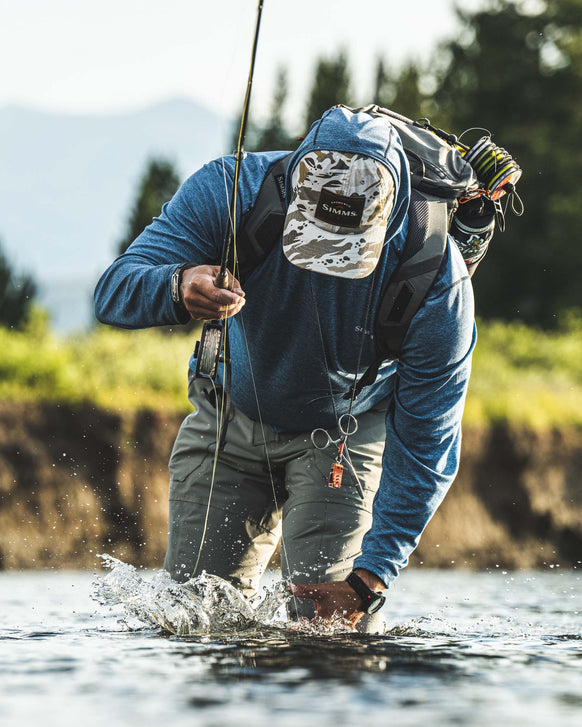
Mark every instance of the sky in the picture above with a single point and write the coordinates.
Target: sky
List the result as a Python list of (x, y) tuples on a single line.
[(112, 56)]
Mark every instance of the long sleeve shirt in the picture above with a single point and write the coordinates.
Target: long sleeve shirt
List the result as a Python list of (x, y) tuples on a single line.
[(302, 337)]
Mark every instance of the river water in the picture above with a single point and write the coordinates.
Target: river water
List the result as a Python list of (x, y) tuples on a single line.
[(493, 648)]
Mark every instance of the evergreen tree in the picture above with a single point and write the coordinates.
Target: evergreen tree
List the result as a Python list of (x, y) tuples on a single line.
[(408, 98), (384, 92), (519, 75), (274, 135), (401, 91), (331, 85), (252, 135), (16, 295), (158, 185)]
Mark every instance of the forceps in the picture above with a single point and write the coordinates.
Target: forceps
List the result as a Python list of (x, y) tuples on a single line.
[(322, 439)]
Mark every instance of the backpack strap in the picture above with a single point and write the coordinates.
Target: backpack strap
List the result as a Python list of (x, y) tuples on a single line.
[(262, 227), (421, 260)]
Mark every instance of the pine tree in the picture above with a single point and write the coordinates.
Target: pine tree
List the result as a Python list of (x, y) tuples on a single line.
[(158, 185), (252, 135), (331, 86), (274, 135), (383, 94), (519, 75), (400, 91), (17, 295), (408, 98)]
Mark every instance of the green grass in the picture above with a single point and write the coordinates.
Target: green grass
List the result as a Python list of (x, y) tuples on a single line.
[(112, 368), (520, 375), (527, 376)]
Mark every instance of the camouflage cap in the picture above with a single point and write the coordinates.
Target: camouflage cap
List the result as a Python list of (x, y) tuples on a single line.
[(337, 218)]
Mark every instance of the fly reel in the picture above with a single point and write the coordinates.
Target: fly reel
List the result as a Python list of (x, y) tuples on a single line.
[(208, 350), (495, 168)]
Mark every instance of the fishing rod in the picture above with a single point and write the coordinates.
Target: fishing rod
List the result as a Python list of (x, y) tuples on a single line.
[(222, 280), (209, 349), (212, 348)]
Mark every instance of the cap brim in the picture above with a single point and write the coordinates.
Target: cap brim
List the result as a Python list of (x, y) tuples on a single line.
[(346, 255), (337, 217)]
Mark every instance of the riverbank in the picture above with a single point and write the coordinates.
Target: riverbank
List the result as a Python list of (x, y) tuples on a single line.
[(78, 480), (521, 376)]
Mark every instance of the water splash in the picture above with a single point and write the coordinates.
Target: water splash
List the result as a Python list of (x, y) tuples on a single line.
[(202, 605), (333, 626)]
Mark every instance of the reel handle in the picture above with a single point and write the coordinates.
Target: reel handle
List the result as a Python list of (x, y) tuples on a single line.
[(222, 280)]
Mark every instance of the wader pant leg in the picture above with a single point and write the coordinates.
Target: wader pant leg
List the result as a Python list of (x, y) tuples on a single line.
[(323, 527), (229, 527), (239, 518)]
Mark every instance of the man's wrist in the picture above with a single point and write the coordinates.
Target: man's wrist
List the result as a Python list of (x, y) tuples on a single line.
[(371, 580), (371, 599), (176, 282)]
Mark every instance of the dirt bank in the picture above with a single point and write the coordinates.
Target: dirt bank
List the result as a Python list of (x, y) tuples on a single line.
[(75, 482)]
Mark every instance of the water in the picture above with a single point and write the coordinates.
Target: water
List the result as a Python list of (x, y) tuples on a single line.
[(462, 648)]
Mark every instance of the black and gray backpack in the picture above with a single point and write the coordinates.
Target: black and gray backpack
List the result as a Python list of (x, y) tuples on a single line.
[(451, 193)]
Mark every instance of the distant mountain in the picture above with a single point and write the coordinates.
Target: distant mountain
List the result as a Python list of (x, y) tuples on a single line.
[(67, 183)]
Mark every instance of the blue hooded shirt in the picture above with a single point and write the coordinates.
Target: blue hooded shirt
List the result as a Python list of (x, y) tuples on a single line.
[(307, 335)]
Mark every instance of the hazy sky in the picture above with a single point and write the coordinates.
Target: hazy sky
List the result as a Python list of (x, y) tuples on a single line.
[(86, 56)]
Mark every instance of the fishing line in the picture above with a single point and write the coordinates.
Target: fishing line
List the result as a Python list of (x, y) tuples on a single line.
[(495, 167), (496, 170), (231, 239), (268, 459), (218, 439), (212, 481)]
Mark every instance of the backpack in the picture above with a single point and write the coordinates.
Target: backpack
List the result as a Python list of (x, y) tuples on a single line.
[(439, 177)]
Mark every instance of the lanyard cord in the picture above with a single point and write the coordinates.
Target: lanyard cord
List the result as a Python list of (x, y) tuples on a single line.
[(322, 341), (368, 308), (360, 352)]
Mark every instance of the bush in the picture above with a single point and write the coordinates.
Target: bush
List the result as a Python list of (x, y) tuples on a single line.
[(17, 295), (112, 368), (520, 374)]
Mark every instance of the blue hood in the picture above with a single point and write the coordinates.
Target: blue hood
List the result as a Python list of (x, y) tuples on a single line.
[(340, 129)]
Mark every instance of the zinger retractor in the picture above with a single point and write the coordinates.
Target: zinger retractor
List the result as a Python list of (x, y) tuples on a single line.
[(322, 439)]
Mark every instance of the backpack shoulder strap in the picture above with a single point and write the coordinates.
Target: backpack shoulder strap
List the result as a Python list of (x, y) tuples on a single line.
[(262, 226), (421, 260)]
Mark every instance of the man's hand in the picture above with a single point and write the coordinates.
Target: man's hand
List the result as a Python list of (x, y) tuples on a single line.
[(203, 300), (337, 598)]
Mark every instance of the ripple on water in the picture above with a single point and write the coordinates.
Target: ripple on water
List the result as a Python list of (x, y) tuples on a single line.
[(481, 655)]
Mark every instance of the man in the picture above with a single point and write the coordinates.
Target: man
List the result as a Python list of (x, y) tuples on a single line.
[(299, 334)]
